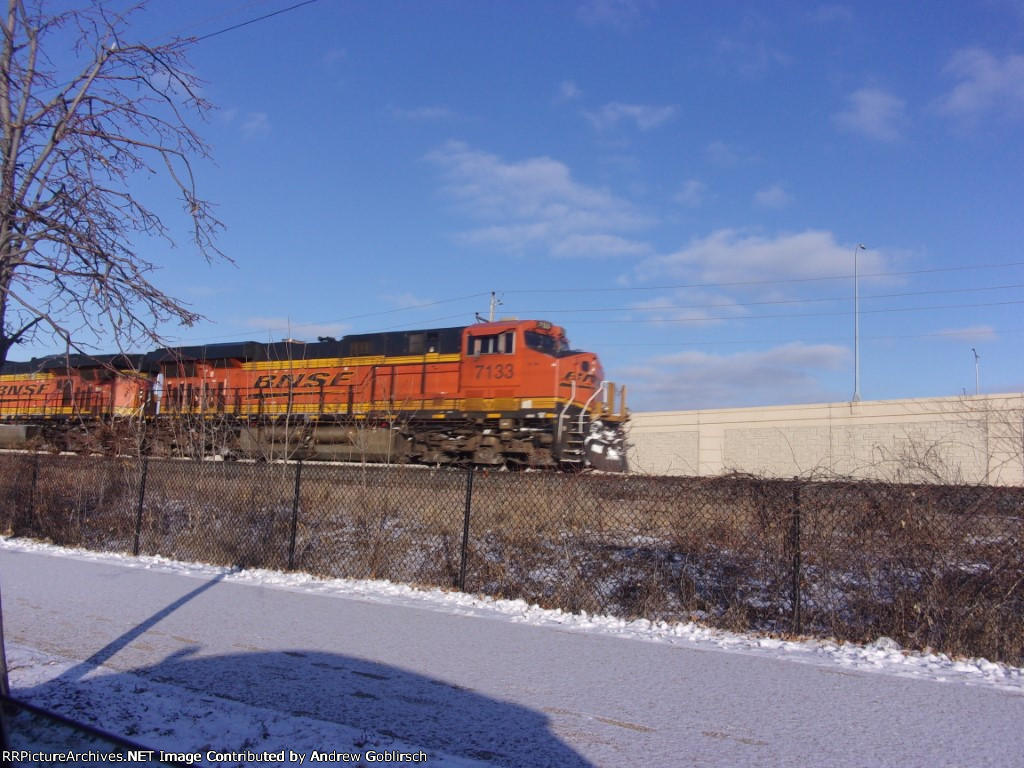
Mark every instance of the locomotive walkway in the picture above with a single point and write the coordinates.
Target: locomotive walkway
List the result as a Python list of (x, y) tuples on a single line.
[(487, 688)]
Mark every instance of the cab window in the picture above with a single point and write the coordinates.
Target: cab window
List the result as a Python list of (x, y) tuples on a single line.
[(494, 344), (549, 345)]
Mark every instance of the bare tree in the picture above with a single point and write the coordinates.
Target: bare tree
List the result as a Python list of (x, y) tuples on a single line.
[(73, 148)]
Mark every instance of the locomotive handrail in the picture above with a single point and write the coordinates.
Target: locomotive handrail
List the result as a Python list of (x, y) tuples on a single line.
[(586, 405), (561, 416)]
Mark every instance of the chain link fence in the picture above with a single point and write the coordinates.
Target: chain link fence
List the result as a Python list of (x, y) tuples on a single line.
[(930, 566)]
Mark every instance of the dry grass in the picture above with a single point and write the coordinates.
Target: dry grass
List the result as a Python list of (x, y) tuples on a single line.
[(936, 567)]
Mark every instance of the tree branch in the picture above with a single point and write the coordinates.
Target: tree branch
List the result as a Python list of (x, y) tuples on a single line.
[(69, 221)]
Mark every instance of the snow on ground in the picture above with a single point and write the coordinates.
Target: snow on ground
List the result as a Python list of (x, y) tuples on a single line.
[(173, 720), (884, 655), (182, 720)]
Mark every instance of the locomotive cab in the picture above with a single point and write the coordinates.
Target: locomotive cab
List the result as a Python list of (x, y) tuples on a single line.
[(539, 398), (511, 358)]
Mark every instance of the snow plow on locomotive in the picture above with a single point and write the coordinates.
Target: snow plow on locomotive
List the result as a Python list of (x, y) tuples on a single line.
[(498, 393)]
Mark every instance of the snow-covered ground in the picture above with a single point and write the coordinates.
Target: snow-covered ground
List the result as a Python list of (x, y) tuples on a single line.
[(125, 674)]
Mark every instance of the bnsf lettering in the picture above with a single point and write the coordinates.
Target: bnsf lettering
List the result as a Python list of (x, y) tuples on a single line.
[(583, 378), (22, 389), (318, 379), (301, 380)]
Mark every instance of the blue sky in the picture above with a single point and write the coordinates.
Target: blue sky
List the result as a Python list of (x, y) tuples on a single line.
[(683, 186)]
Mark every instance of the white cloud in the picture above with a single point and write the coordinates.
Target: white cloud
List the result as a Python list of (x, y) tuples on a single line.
[(969, 333), (728, 155), (986, 86), (251, 125), (406, 300), (689, 306), (424, 114), (256, 124), (798, 355), (598, 244), (750, 58), (692, 194), (536, 204), (729, 256), (833, 14), (749, 50), (616, 14), (207, 289), (773, 196), (875, 113), (333, 57), (791, 373), (569, 91), (279, 328), (644, 116)]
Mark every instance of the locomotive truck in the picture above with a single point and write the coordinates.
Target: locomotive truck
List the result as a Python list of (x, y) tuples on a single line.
[(510, 392)]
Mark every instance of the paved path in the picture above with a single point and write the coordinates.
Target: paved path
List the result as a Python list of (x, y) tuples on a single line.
[(514, 694)]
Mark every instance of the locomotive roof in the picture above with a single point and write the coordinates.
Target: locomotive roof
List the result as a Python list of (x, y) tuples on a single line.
[(390, 343), (120, 362), (235, 350)]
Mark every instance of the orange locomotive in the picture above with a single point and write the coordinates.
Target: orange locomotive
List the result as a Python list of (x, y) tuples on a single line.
[(61, 400), (508, 392)]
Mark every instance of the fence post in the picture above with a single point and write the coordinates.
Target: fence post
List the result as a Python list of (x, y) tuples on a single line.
[(23, 519), (465, 529), (295, 515), (32, 485), (138, 508), (795, 544)]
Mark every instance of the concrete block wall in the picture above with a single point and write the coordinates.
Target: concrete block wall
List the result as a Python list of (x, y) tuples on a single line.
[(974, 439)]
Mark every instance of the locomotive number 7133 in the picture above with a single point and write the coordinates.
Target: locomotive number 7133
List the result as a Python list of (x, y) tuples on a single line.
[(495, 371)]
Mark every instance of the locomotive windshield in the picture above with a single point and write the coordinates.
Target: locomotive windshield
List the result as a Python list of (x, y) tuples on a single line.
[(549, 345)]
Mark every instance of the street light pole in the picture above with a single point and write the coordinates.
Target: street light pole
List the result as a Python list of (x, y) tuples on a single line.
[(856, 323), (977, 377)]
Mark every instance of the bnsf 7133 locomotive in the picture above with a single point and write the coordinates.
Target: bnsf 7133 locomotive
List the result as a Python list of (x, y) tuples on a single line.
[(509, 392)]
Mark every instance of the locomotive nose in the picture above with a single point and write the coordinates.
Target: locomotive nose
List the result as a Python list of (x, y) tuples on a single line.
[(589, 362), (590, 370)]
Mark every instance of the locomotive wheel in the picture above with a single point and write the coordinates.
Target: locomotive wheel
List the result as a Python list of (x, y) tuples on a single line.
[(488, 455)]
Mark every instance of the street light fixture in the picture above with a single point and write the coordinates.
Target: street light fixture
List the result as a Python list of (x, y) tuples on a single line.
[(856, 323)]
